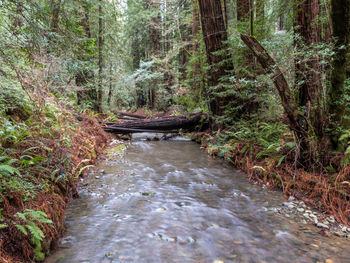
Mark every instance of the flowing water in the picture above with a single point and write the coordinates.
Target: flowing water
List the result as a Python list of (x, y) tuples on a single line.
[(167, 201)]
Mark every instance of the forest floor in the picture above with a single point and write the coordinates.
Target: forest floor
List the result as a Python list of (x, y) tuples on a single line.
[(51, 149), (327, 194)]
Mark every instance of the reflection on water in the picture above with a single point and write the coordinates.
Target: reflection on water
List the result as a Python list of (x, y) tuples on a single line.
[(166, 201)]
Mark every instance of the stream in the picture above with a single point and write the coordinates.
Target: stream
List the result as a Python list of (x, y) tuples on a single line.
[(168, 201)]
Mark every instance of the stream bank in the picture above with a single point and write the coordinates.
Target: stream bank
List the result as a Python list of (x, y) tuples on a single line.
[(53, 149), (274, 168)]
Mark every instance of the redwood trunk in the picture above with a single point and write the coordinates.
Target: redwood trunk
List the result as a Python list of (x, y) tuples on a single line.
[(308, 70), (340, 67), (214, 34)]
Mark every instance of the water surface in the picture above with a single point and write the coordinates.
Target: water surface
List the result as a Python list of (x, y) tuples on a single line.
[(167, 201)]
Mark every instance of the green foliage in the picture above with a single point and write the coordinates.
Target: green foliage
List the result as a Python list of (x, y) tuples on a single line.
[(31, 220)]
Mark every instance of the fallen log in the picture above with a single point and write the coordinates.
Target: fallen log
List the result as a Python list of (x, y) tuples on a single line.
[(131, 130), (132, 115), (162, 124)]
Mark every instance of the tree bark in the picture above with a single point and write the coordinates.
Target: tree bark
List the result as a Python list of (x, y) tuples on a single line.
[(215, 34), (308, 71), (340, 14), (243, 10), (156, 124), (110, 85), (260, 16)]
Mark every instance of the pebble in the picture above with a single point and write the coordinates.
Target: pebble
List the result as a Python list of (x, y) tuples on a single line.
[(331, 219), (344, 229), (339, 234), (322, 225), (102, 171), (287, 204), (291, 198), (291, 206), (306, 215), (300, 209), (313, 216), (303, 222)]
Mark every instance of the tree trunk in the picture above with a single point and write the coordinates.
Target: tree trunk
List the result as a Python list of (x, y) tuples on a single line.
[(297, 122), (308, 71), (56, 8), (214, 34), (110, 85), (243, 10), (195, 42), (83, 76), (260, 16), (340, 15), (100, 55), (155, 48)]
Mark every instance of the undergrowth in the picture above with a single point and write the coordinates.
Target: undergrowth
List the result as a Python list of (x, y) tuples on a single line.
[(43, 151)]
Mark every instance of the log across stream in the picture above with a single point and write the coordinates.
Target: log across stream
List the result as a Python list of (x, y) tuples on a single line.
[(160, 124), (167, 201)]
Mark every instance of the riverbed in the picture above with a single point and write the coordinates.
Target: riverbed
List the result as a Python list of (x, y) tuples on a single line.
[(168, 201)]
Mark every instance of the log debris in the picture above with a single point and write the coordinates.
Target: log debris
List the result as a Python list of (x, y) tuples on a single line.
[(168, 124)]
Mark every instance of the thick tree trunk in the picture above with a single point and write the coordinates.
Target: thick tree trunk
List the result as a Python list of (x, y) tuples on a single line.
[(162, 124), (341, 65), (214, 34), (308, 71)]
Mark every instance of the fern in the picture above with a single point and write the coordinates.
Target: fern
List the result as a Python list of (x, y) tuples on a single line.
[(8, 170), (31, 218), (22, 229)]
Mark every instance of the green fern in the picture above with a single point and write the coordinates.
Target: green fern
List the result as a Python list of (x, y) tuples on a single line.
[(8, 170), (31, 218)]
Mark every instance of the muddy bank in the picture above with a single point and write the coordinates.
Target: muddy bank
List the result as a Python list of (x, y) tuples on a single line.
[(65, 153)]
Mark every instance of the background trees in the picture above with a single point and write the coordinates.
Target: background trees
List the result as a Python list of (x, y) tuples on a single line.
[(188, 55)]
